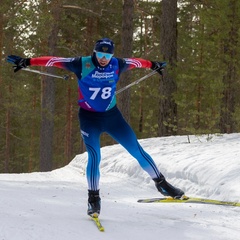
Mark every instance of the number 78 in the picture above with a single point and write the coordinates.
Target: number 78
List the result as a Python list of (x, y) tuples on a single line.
[(105, 92)]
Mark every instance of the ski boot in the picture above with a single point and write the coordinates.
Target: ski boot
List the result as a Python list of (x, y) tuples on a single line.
[(94, 203), (167, 189)]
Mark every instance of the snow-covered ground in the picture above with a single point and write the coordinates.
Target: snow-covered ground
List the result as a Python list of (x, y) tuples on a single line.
[(52, 206)]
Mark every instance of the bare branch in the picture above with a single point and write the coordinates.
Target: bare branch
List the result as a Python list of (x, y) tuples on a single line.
[(84, 9)]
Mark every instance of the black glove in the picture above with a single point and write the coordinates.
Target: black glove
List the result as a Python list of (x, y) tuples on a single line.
[(20, 62), (159, 67)]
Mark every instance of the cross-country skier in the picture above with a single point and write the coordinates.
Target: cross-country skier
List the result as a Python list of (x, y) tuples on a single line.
[(97, 77)]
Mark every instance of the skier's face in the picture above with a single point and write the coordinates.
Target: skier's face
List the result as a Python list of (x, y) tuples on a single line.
[(103, 58)]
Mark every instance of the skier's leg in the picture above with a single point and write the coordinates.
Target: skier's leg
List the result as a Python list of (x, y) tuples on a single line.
[(121, 131), (91, 131)]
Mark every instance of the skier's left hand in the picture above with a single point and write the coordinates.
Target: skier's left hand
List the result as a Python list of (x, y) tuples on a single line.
[(159, 67), (19, 61)]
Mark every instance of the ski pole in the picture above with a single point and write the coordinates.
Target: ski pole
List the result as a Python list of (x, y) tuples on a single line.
[(65, 77), (136, 82)]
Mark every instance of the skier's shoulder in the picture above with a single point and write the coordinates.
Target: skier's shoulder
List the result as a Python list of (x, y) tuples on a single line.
[(87, 62), (119, 61)]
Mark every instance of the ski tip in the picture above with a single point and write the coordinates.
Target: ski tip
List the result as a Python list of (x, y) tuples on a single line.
[(101, 229), (97, 222)]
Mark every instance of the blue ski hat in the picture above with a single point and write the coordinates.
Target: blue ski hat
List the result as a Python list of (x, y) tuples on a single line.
[(104, 45)]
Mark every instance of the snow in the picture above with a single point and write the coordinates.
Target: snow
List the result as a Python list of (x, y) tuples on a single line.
[(53, 205)]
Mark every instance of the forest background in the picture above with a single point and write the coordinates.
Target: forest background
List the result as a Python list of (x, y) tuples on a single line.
[(198, 94)]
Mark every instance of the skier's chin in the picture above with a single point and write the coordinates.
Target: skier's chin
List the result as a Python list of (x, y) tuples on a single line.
[(103, 64)]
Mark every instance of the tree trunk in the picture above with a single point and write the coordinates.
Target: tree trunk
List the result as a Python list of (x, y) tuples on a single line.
[(167, 106), (227, 124), (127, 41), (68, 135), (1, 48), (8, 130), (48, 98), (33, 135)]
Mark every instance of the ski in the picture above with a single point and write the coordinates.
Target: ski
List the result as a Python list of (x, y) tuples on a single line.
[(186, 199), (97, 222)]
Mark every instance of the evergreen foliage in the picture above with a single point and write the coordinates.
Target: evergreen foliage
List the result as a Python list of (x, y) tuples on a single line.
[(207, 71)]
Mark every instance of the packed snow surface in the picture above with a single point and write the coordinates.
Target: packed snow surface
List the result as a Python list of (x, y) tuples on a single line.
[(52, 205)]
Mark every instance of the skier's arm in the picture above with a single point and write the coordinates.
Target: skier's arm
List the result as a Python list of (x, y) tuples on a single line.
[(126, 64), (47, 61)]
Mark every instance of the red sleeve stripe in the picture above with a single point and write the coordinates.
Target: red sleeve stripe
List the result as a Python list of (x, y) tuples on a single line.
[(134, 62), (55, 60)]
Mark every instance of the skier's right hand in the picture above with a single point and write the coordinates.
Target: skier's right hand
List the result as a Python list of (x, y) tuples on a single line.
[(19, 62), (159, 67)]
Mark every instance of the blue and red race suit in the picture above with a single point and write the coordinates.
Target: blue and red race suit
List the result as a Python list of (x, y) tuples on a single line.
[(98, 112), (96, 85)]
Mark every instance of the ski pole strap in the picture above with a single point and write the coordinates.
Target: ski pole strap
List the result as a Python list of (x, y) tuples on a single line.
[(136, 82)]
